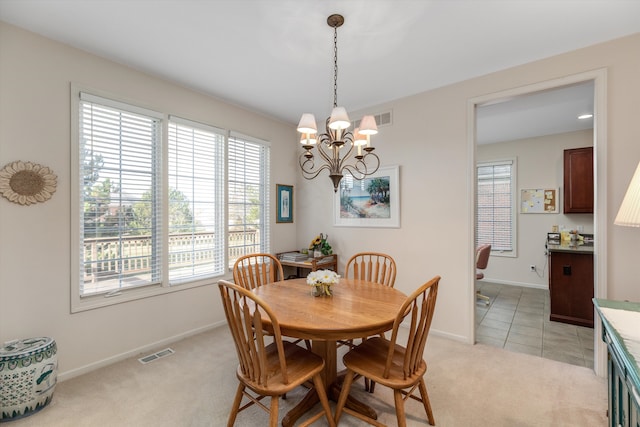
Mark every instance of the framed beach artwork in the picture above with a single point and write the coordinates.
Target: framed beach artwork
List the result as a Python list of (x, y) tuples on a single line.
[(371, 202), (284, 206)]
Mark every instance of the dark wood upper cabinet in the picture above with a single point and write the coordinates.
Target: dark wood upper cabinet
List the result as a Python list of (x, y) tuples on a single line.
[(578, 180)]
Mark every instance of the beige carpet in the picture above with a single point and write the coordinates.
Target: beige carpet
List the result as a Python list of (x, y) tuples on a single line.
[(468, 386)]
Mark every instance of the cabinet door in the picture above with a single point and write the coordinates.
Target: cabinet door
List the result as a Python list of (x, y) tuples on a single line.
[(618, 393), (578, 180), (612, 377), (571, 288), (634, 407)]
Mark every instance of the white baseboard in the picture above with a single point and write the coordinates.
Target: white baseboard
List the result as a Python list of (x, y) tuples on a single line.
[(442, 334), (450, 336), (67, 375), (512, 283)]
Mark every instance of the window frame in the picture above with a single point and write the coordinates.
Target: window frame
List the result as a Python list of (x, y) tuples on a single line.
[(513, 253), (81, 303)]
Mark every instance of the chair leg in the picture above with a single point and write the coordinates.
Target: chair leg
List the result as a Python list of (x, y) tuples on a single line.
[(426, 402), (273, 411), (400, 415), (236, 405), (372, 386), (483, 297), (346, 387)]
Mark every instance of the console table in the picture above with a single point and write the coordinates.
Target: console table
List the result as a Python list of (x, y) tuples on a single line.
[(621, 333), (329, 262)]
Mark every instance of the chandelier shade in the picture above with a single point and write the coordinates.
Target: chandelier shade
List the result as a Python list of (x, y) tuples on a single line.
[(368, 126), (307, 124), (339, 150), (339, 119)]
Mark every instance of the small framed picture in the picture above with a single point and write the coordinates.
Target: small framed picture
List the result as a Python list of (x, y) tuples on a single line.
[(284, 206)]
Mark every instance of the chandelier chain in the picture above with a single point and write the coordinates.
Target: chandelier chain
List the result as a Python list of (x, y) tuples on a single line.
[(335, 67)]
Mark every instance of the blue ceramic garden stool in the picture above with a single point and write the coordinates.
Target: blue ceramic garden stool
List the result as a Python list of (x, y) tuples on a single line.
[(28, 376)]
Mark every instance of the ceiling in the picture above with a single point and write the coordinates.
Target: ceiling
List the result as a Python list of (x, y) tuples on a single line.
[(276, 57), (537, 114)]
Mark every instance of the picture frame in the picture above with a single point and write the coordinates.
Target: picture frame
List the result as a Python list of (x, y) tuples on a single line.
[(284, 205), (539, 200), (356, 206)]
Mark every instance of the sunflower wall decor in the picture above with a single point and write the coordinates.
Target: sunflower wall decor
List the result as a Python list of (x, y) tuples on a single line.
[(26, 183)]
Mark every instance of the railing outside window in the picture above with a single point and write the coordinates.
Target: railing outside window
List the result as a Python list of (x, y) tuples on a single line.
[(130, 256)]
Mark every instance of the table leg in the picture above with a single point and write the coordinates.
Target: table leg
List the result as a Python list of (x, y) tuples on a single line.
[(328, 351), (352, 403)]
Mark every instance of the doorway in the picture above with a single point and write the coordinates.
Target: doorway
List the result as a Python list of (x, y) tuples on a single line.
[(523, 247)]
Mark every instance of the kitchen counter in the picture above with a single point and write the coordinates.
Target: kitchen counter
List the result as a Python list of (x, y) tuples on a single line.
[(572, 248)]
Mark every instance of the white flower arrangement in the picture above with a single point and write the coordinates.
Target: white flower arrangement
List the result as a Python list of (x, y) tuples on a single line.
[(322, 277), (322, 280)]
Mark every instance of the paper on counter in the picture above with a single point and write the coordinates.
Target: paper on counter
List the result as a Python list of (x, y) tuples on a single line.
[(627, 324)]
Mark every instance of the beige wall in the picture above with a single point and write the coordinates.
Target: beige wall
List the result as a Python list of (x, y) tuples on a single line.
[(539, 165), (429, 140), (35, 78)]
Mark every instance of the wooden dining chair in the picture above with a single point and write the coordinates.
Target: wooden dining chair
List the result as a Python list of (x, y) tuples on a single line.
[(253, 270), (483, 252), (389, 363), (373, 267), (267, 370)]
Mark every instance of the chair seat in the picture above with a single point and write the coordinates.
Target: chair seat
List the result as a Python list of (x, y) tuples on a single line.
[(369, 359), (302, 365)]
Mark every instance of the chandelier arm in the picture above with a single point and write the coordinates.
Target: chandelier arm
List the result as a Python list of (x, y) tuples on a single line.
[(362, 169), (324, 149), (309, 164), (348, 139)]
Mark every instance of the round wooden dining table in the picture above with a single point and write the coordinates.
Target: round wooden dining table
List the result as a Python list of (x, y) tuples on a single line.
[(356, 309)]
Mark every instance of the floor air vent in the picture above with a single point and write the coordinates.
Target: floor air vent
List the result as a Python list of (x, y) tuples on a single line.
[(155, 356)]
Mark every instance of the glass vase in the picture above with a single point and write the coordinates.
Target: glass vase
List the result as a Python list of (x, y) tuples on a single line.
[(321, 290)]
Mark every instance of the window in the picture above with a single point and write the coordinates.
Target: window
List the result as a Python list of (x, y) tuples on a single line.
[(151, 200), (495, 211), (196, 200), (118, 152), (248, 197)]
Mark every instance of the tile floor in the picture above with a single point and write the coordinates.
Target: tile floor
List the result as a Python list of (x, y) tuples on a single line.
[(517, 319)]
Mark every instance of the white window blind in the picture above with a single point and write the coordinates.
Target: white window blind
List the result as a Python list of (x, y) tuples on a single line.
[(159, 201), (196, 200), (248, 196), (496, 205), (120, 195)]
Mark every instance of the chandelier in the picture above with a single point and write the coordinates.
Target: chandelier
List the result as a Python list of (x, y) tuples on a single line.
[(355, 147)]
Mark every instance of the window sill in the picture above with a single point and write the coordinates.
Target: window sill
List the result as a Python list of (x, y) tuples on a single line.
[(80, 304)]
